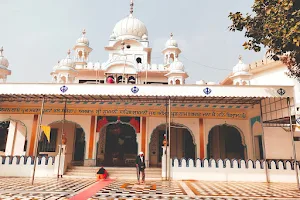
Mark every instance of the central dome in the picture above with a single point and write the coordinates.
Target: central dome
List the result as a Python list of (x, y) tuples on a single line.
[(130, 28)]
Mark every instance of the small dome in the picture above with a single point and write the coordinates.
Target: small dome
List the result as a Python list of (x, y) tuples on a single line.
[(56, 66), (177, 66), (240, 67), (3, 61), (83, 41), (66, 63), (171, 42), (201, 82), (130, 28)]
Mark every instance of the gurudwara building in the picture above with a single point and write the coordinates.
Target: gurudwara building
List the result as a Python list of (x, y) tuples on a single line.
[(105, 113)]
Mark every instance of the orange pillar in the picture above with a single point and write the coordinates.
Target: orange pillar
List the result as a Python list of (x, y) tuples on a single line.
[(201, 136), (143, 132), (33, 135), (92, 135)]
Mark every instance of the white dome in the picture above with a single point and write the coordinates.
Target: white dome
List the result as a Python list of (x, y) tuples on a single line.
[(201, 82), (130, 28), (3, 61), (171, 42), (56, 66), (83, 41), (241, 67), (177, 66), (66, 63)]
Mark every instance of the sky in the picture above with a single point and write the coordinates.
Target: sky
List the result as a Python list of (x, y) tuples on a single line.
[(36, 34)]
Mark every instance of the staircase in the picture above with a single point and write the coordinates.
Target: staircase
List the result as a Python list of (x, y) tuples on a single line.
[(127, 173)]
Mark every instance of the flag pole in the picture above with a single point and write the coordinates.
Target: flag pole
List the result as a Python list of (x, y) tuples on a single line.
[(169, 141), (61, 138), (37, 140)]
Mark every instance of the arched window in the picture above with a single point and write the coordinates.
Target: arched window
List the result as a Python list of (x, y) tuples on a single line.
[(3, 134), (80, 54), (244, 83), (110, 79), (139, 60), (131, 80), (177, 82), (120, 79), (171, 82)]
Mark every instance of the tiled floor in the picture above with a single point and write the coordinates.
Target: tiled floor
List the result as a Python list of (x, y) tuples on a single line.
[(20, 188), (43, 188)]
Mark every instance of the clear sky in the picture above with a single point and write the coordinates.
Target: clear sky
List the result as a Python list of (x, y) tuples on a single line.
[(37, 33)]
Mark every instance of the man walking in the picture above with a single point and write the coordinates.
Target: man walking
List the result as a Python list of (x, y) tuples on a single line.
[(140, 167)]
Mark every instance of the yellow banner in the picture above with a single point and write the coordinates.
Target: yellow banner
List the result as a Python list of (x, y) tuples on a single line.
[(47, 131), (210, 114)]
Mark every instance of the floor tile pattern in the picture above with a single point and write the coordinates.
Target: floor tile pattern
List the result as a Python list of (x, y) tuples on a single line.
[(43, 188)]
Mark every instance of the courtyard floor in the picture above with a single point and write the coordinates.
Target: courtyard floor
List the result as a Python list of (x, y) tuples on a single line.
[(73, 189)]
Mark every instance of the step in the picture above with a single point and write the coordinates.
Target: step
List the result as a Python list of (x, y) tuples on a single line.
[(113, 177)]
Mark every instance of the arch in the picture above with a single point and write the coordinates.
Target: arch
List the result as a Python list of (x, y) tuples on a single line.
[(74, 135), (139, 60), (80, 54), (231, 138), (244, 83), (22, 124), (171, 82), (177, 82), (183, 138), (131, 80), (117, 67), (122, 148), (237, 83)]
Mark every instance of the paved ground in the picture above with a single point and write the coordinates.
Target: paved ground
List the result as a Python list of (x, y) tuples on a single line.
[(20, 188)]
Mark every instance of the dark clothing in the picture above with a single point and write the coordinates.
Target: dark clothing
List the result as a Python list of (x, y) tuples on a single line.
[(141, 163), (101, 171), (141, 166)]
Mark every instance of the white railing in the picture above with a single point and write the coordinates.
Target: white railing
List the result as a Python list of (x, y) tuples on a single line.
[(232, 170), (23, 166)]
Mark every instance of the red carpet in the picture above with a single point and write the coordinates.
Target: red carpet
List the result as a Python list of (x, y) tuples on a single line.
[(90, 191)]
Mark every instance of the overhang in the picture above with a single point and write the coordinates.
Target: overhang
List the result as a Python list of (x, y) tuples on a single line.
[(215, 94)]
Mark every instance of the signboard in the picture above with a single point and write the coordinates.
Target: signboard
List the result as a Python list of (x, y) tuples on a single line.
[(210, 114)]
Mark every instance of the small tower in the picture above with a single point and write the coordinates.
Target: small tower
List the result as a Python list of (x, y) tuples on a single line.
[(241, 74), (171, 50), (177, 75), (82, 51), (63, 71), (4, 71)]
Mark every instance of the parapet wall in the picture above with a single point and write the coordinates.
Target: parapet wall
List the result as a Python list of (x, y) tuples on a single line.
[(233, 170)]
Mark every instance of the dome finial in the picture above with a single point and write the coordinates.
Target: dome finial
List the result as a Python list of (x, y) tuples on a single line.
[(69, 52), (1, 51), (83, 32), (131, 6), (240, 57), (171, 35)]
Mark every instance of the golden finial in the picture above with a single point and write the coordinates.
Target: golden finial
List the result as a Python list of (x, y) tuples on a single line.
[(171, 35), (83, 32), (69, 52), (1, 51), (240, 57)]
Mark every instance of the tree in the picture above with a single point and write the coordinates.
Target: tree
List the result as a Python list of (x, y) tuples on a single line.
[(276, 26)]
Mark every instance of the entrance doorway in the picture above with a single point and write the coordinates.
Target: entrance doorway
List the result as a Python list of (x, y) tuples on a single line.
[(120, 145), (225, 141), (182, 144), (79, 145)]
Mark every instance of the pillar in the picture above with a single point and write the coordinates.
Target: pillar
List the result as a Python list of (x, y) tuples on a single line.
[(33, 135), (143, 136), (202, 138), (11, 137)]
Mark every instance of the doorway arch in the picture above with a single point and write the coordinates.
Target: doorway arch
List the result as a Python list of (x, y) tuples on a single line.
[(181, 137), (117, 145), (21, 135), (226, 141), (74, 135)]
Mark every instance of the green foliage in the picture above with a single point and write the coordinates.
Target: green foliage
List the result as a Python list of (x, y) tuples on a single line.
[(274, 25)]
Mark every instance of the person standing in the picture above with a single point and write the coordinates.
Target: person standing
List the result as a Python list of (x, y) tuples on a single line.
[(140, 166)]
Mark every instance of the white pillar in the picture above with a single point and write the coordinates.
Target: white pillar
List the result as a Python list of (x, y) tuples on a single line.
[(139, 142), (165, 166), (60, 164), (10, 138)]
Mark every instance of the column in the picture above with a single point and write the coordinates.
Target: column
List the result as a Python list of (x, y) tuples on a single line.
[(9, 149), (90, 161), (201, 138), (33, 135)]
